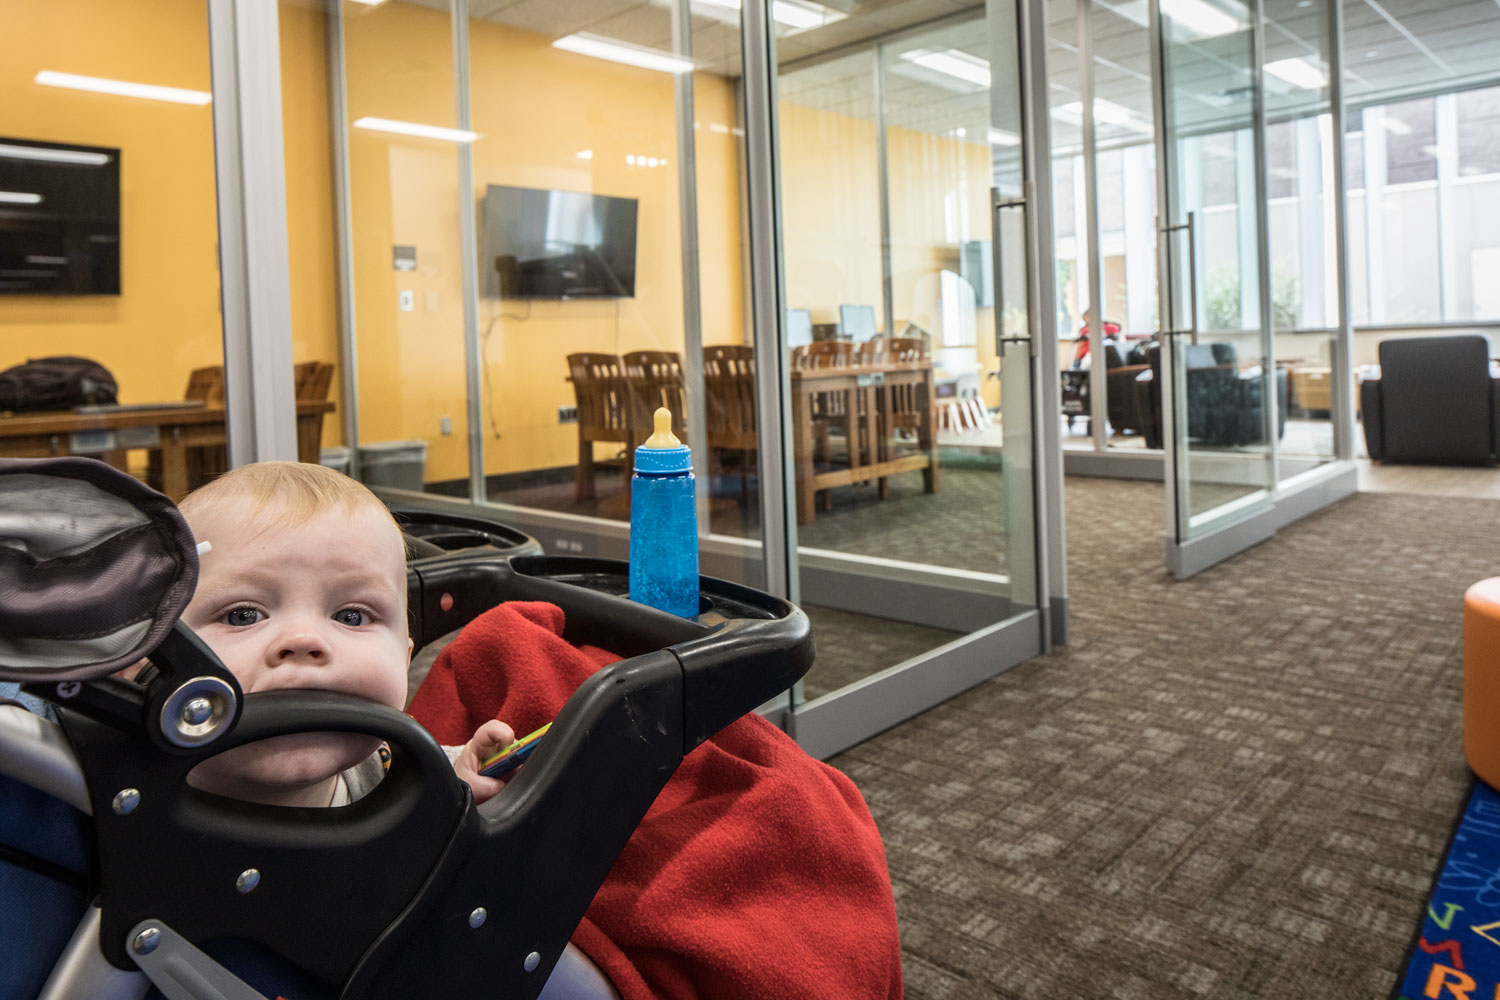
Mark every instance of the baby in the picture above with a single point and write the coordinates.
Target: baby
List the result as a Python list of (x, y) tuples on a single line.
[(304, 586)]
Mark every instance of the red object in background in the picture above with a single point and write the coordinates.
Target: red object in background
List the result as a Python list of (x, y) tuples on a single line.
[(1110, 330)]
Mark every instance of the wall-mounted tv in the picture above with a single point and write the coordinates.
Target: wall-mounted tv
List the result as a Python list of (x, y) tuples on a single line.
[(558, 244), (59, 219)]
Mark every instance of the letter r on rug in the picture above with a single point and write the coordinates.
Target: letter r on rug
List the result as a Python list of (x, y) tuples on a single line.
[(1458, 984)]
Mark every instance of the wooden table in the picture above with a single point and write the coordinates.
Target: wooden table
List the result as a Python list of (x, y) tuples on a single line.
[(172, 429), (869, 401)]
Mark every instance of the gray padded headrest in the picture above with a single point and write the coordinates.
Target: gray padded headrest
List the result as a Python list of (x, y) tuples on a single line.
[(95, 568)]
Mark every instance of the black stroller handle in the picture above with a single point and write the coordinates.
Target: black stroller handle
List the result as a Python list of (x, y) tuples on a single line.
[(398, 829), (372, 897)]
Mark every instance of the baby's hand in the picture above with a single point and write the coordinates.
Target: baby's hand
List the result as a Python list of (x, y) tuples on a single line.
[(488, 738)]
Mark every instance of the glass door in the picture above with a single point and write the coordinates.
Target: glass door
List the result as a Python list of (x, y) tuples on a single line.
[(908, 348), (1215, 392)]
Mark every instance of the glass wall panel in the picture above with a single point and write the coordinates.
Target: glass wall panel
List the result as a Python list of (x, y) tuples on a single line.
[(407, 253), (603, 293), (1219, 352), (109, 232), (312, 261), (1301, 228), (909, 463), (1125, 174)]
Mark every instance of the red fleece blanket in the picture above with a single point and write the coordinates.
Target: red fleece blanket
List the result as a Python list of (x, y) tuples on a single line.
[(757, 874)]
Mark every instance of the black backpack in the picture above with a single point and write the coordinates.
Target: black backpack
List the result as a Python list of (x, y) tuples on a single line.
[(59, 383)]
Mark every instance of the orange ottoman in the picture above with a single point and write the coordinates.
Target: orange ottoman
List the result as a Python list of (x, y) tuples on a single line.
[(1482, 679)]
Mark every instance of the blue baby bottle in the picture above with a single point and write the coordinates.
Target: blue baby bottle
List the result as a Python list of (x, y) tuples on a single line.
[(664, 523)]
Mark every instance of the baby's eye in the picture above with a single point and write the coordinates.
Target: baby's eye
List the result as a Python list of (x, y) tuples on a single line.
[(242, 616), (351, 616)]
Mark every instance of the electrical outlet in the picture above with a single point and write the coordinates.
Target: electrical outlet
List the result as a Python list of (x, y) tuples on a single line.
[(445, 425), (407, 301), (567, 414)]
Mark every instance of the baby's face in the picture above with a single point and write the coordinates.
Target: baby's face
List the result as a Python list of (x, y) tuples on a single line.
[(321, 604)]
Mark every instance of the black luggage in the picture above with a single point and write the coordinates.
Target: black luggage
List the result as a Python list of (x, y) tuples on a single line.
[(56, 383)]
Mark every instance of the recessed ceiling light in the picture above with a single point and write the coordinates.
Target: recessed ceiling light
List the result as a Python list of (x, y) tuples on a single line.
[(416, 129), (952, 62), (798, 15), (1000, 137), (123, 88), (1298, 72), (1200, 17), (586, 44)]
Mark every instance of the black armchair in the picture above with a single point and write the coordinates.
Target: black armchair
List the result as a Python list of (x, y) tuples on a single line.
[(1435, 401), (1120, 369), (1224, 404)]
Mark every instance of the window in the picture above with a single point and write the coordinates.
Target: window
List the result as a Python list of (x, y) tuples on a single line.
[(1410, 142), (1479, 132)]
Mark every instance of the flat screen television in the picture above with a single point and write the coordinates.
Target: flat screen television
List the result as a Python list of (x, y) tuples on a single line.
[(59, 219), (558, 244)]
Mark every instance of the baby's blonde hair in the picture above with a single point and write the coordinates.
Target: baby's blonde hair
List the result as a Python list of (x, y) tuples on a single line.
[(289, 492)]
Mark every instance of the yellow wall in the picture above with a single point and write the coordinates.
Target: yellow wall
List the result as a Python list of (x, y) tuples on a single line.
[(535, 108), (165, 322)]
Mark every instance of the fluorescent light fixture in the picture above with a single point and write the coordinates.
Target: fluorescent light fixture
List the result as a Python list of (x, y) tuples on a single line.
[(795, 15), (952, 62), (417, 129), (585, 154), (1298, 72), (36, 258), (586, 44), (123, 88), (1200, 17), (1000, 137), (1396, 126), (51, 155), (19, 198), (1107, 112)]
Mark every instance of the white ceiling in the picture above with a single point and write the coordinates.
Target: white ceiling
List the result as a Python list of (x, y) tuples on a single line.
[(1391, 47)]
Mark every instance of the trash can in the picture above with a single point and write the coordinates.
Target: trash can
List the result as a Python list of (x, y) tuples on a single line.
[(398, 464), (335, 458)]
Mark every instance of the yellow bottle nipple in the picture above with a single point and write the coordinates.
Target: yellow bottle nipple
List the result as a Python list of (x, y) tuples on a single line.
[(663, 437)]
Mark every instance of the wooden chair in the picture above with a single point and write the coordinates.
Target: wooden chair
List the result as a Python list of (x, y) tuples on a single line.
[(904, 350), (729, 385), (206, 384), (603, 400), (655, 379), (313, 379), (204, 462), (824, 354)]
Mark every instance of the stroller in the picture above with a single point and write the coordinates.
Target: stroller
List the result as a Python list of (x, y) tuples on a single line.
[(122, 868)]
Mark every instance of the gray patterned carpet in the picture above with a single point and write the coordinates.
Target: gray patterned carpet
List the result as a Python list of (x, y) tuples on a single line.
[(1236, 786)]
